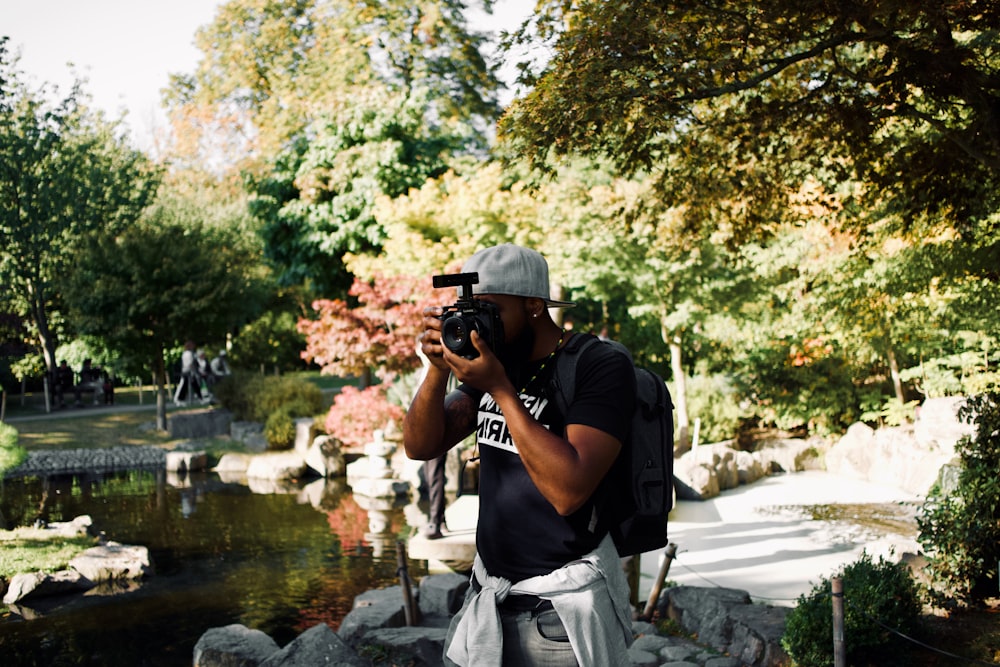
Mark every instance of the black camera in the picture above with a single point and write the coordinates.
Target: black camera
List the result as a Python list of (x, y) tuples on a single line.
[(458, 321)]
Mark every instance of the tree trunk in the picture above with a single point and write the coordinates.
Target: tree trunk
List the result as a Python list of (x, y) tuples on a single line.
[(682, 435), (40, 317), (897, 383), (159, 375)]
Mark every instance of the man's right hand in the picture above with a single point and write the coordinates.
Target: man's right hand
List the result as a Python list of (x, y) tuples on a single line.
[(430, 339)]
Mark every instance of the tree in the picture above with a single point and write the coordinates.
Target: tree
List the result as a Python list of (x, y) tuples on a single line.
[(271, 68), (318, 202), (66, 175), (123, 291), (327, 105), (378, 335), (748, 98)]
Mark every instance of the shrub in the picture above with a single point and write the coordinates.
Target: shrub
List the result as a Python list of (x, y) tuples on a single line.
[(357, 414), (11, 454), (252, 397), (960, 529), (874, 593), (714, 400), (279, 429)]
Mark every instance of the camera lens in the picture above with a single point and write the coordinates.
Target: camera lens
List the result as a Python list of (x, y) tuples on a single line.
[(455, 336)]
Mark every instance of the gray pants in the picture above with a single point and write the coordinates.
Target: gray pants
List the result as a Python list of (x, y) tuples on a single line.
[(530, 638)]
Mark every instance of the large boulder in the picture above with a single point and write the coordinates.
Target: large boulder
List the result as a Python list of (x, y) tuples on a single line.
[(909, 457), (276, 466), (323, 456), (319, 645), (233, 646), (31, 585), (112, 562), (727, 620)]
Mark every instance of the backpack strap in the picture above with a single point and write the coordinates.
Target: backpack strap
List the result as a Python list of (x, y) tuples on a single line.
[(564, 378)]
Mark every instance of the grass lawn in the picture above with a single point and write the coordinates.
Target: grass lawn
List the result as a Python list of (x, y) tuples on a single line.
[(93, 426)]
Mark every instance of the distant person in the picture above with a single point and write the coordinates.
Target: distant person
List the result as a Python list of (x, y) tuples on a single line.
[(91, 379), (434, 473), (220, 365), (205, 376), (64, 380), (189, 384)]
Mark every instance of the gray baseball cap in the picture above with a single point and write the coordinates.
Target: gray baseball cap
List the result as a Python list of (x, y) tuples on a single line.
[(512, 269)]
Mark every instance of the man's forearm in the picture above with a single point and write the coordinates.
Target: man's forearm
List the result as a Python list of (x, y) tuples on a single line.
[(424, 425)]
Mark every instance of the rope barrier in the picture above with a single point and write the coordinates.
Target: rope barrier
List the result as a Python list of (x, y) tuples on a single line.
[(902, 635)]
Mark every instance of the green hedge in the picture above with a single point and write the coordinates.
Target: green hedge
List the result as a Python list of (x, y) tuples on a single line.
[(11, 454)]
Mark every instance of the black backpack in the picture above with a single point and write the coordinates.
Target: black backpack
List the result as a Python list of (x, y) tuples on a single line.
[(637, 520)]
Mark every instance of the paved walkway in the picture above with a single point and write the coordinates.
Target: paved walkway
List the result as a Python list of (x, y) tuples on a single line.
[(760, 538)]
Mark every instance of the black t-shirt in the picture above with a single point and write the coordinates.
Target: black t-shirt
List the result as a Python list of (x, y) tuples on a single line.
[(520, 534)]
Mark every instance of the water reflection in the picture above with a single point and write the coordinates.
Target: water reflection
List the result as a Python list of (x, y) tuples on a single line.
[(279, 561)]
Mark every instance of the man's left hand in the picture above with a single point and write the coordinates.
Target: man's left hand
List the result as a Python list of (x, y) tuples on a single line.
[(484, 373)]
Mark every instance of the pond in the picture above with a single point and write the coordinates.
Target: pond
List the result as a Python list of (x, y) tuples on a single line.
[(277, 562)]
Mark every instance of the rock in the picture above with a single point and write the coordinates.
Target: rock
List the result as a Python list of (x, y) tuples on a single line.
[(937, 424), (199, 423), (113, 561), (726, 620), (276, 465), (789, 454), (233, 646), (32, 585), (693, 480), (382, 608), (233, 462), (442, 594), (324, 457), (251, 434), (318, 645), (911, 458), (180, 461), (408, 645)]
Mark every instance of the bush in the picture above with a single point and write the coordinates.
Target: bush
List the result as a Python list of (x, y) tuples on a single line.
[(874, 593), (279, 430), (252, 397), (356, 414), (11, 454), (714, 400), (960, 530)]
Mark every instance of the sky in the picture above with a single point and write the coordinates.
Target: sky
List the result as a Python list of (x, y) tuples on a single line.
[(127, 49)]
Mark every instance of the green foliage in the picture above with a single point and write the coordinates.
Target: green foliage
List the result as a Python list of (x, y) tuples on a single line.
[(279, 429), (28, 367), (271, 341), (790, 389), (253, 397), (960, 528), (123, 292), (731, 103), (66, 175), (716, 403), (318, 203), (874, 592), (893, 412), (11, 453)]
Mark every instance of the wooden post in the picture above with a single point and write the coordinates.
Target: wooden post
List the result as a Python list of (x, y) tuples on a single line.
[(839, 651), (654, 594), (48, 395), (409, 611), (3, 405)]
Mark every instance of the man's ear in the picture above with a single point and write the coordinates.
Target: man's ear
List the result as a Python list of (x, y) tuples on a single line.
[(535, 307)]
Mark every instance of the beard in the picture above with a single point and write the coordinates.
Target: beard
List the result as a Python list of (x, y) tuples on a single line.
[(515, 353)]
